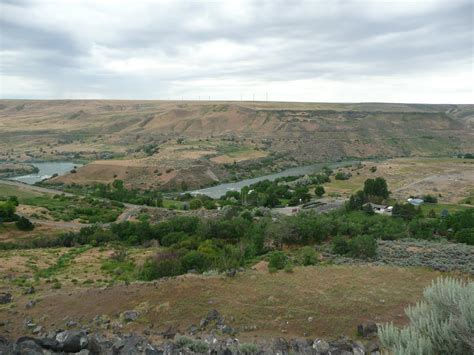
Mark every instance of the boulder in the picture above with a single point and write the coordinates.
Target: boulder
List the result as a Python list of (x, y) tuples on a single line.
[(213, 315), (37, 329), (321, 346), (133, 345), (5, 346), (5, 297), (280, 346), (30, 290), (367, 329), (72, 341), (228, 330), (71, 324), (30, 304), (130, 316), (231, 272), (26, 345), (373, 346), (169, 333), (343, 344), (301, 346)]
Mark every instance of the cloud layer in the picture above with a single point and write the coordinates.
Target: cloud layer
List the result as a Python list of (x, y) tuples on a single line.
[(391, 51)]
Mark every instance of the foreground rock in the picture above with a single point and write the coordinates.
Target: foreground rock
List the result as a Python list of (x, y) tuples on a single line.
[(79, 342)]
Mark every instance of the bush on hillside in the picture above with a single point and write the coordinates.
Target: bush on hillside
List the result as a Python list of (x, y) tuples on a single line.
[(196, 260), (173, 238), (363, 246), (195, 204), (430, 199), (308, 256), (277, 260), (465, 236), (340, 246), (24, 224), (161, 265), (443, 323)]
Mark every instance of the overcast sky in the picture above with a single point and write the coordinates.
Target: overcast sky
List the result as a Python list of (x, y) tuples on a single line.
[(333, 50)]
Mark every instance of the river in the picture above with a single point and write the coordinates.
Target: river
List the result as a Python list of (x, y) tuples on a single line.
[(219, 190), (46, 170)]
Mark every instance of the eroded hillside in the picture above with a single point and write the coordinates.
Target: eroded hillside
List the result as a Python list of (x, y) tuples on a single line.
[(168, 142)]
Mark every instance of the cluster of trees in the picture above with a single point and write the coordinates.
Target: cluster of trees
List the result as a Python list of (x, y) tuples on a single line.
[(8, 214), (270, 194), (202, 244), (375, 190), (466, 156), (7, 211), (118, 192)]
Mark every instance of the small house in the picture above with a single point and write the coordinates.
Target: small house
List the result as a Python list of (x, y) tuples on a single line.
[(380, 209)]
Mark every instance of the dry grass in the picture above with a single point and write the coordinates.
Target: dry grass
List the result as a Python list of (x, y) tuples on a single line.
[(336, 297), (451, 178)]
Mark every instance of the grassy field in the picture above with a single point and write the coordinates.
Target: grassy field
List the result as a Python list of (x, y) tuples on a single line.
[(21, 193), (451, 208)]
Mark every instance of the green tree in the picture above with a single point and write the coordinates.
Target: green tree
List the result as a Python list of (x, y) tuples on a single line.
[(319, 191), (356, 201), (7, 210), (376, 187), (406, 211), (195, 204)]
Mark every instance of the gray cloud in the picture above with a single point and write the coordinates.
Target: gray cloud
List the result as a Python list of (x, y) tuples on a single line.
[(297, 50)]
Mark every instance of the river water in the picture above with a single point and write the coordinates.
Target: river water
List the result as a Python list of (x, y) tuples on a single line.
[(219, 190), (46, 170)]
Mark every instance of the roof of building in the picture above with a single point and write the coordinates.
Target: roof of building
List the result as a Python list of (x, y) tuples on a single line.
[(374, 205), (415, 201)]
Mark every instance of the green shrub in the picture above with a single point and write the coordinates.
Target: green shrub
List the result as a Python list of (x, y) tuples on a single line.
[(443, 323), (288, 268), (465, 236), (340, 246), (173, 238), (363, 246), (277, 260), (161, 265), (195, 204), (319, 190), (430, 199), (308, 256), (210, 205), (342, 176), (248, 348), (183, 342), (199, 347), (196, 260), (24, 224)]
